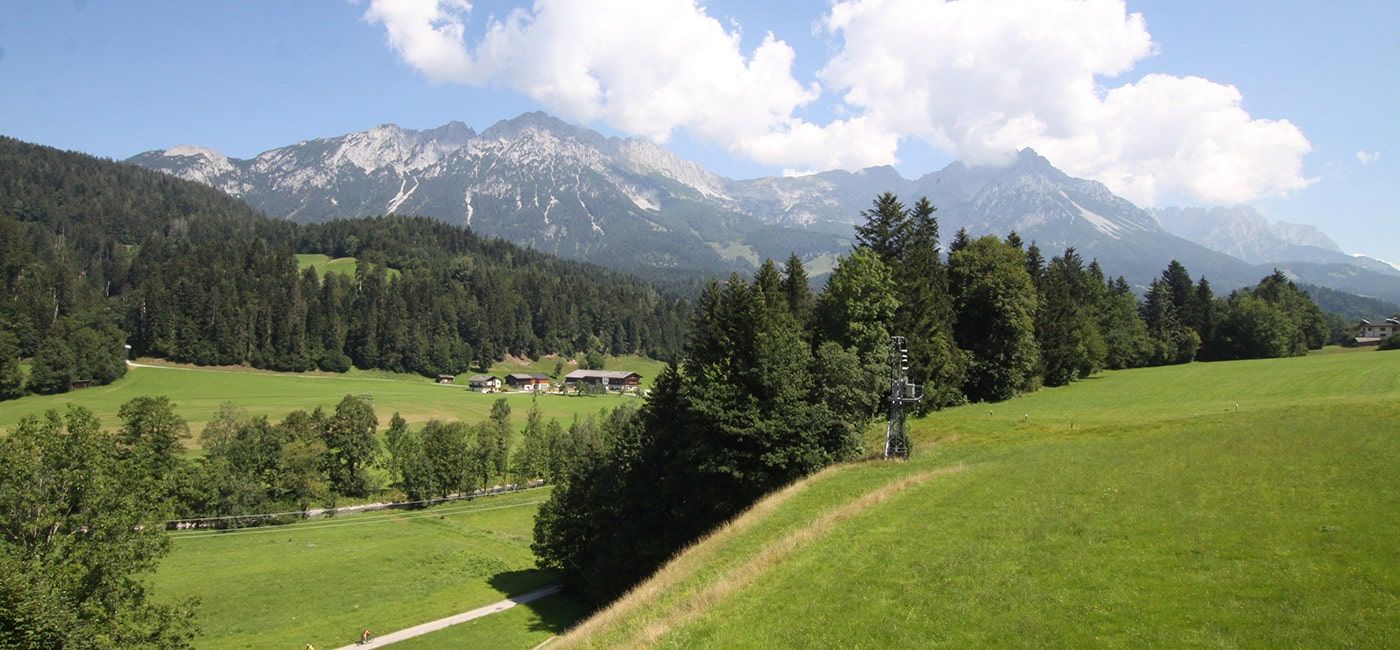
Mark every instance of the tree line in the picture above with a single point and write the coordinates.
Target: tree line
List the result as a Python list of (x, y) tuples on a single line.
[(253, 465), (777, 382)]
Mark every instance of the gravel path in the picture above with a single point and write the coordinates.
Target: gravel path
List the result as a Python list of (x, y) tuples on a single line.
[(433, 626)]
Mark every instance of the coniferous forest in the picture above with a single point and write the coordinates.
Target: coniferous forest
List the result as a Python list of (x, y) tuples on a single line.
[(98, 255)]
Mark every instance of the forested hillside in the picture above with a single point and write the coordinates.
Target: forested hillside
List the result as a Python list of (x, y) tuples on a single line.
[(99, 254), (777, 382)]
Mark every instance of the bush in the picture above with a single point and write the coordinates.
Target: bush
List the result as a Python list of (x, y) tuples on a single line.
[(1392, 343)]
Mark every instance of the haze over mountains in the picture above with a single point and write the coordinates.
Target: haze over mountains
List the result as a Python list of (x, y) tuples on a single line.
[(633, 205)]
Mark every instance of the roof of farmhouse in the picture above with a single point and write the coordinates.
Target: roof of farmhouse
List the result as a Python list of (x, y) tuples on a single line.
[(601, 374)]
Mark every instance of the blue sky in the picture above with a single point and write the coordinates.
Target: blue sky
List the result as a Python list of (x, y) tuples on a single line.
[(115, 79)]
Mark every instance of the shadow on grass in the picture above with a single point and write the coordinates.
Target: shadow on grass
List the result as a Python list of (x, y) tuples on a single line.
[(511, 583), (556, 613), (552, 614)]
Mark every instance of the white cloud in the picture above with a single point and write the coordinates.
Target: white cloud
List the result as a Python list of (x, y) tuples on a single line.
[(976, 79), (983, 79), (643, 66), (1368, 157)]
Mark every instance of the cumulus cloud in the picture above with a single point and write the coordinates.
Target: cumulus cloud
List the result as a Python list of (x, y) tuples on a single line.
[(1368, 157), (983, 79), (646, 67), (976, 79)]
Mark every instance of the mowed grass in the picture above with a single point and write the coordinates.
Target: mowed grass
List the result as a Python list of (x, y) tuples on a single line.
[(198, 393), (1141, 508), (322, 581)]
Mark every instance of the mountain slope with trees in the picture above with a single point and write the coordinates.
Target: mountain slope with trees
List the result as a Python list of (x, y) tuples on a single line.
[(632, 205), (102, 254)]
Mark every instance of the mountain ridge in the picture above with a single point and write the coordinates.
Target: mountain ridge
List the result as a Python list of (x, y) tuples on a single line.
[(633, 205)]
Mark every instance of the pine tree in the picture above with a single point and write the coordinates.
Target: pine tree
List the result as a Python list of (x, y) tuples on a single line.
[(925, 313), (960, 241), (798, 290), (11, 375), (768, 285), (885, 228), (1035, 264)]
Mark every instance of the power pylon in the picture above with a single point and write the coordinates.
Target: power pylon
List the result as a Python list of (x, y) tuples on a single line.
[(901, 392)]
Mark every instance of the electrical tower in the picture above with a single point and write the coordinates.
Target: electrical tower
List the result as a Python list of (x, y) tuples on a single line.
[(901, 392)]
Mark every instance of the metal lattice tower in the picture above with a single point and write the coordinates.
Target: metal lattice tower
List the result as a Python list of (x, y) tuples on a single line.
[(901, 392)]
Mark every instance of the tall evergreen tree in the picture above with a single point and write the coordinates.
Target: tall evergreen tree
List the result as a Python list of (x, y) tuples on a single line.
[(885, 228), (11, 376), (925, 312), (798, 290)]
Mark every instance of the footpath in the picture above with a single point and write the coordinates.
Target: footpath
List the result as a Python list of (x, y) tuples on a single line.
[(433, 626)]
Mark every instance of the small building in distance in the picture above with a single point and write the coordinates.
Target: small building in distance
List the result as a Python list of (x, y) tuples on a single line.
[(446, 379), (1373, 331), (605, 380), (484, 383), (528, 382)]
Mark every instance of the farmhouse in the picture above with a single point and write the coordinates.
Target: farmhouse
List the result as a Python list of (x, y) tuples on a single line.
[(608, 380), (483, 383), (526, 381), (1376, 330)]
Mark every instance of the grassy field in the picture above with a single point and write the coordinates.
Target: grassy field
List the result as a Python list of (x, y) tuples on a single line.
[(198, 392), (326, 264), (322, 581), (1252, 503)]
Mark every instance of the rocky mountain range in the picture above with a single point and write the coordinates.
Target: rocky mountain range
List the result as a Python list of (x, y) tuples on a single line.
[(635, 206)]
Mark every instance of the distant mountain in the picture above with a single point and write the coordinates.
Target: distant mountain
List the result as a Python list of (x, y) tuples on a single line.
[(1242, 232), (632, 205), (1350, 306)]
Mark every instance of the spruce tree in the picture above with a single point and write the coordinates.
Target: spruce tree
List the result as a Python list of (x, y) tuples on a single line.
[(798, 290), (885, 229), (768, 284), (11, 375), (925, 313)]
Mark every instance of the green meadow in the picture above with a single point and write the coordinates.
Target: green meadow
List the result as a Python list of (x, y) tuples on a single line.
[(324, 580), (1251, 503), (198, 392), (324, 264)]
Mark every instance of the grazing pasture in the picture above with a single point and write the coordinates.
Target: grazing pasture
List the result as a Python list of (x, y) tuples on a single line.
[(324, 580), (198, 392), (1249, 503)]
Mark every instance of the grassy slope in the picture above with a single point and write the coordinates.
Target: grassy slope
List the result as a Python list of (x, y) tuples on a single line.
[(198, 393), (1139, 508), (321, 582)]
